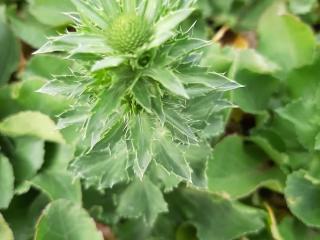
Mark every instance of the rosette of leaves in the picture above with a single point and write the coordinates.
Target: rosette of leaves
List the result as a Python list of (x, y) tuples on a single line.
[(142, 104)]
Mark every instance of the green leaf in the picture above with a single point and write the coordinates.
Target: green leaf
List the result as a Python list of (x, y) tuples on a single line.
[(292, 229), (10, 53), (301, 6), (285, 39), (168, 79), (302, 194), (106, 167), (76, 43), (129, 5), (108, 62), (90, 13), (141, 138), (6, 185), (170, 155), (142, 94), (33, 124), (258, 89), (26, 27), (111, 7), (65, 220), (164, 27), (151, 10), (303, 114), (58, 185), (148, 200), (28, 157), (215, 81), (234, 162), (5, 231), (179, 126), (51, 12), (214, 218)]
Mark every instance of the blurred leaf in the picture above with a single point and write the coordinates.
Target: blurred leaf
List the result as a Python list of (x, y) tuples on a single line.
[(303, 114), (29, 29), (235, 161), (33, 124), (63, 218), (58, 185), (301, 6), (255, 96), (51, 12), (292, 229), (285, 39), (6, 185), (27, 157), (10, 53), (302, 194), (214, 218), (5, 231), (148, 200)]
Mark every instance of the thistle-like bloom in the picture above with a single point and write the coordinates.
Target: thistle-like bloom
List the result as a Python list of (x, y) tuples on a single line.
[(142, 101)]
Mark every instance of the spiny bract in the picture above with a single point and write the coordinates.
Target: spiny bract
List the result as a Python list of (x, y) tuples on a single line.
[(143, 105)]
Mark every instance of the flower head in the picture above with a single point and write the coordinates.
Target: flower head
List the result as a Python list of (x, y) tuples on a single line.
[(141, 97)]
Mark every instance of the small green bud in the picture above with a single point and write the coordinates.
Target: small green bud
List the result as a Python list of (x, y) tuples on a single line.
[(128, 32)]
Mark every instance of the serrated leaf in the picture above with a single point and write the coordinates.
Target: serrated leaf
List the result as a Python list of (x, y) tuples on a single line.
[(168, 79), (179, 126), (6, 185), (104, 168), (164, 27), (33, 124), (90, 13), (215, 81), (248, 167), (5, 231), (105, 113), (58, 185), (108, 62), (142, 94), (170, 155), (62, 218), (111, 7), (148, 199), (151, 10), (75, 43), (302, 193), (141, 137)]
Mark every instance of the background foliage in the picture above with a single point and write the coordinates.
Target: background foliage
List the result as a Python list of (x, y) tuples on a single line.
[(261, 179)]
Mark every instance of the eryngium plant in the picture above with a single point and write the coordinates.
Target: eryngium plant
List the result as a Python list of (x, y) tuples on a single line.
[(142, 104)]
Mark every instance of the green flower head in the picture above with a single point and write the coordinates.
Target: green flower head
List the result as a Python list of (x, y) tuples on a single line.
[(142, 102)]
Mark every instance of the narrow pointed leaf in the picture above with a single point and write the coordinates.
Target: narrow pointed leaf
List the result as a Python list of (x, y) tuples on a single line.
[(108, 62), (164, 28), (170, 156), (141, 138), (111, 7), (90, 13), (169, 80)]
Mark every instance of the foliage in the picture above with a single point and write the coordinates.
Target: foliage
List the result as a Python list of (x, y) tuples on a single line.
[(174, 119)]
